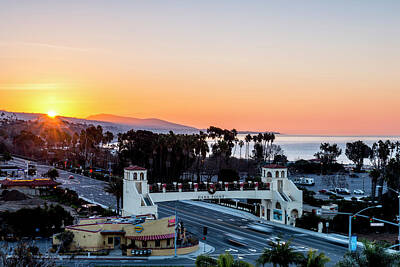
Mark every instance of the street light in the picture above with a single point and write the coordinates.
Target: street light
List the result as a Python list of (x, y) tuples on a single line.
[(355, 214), (398, 217)]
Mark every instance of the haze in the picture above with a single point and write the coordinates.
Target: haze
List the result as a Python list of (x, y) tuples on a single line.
[(299, 67)]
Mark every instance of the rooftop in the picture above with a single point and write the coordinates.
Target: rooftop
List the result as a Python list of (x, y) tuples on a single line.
[(34, 182), (274, 166), (135, 168)]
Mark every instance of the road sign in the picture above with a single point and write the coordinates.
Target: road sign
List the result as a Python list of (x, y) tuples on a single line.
[(377, 224), (138, 228), (353, 243)]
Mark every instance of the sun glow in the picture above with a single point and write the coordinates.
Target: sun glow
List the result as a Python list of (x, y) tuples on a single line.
[(51, 113)]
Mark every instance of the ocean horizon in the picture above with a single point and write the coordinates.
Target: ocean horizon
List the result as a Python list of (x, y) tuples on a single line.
[(297, 147)]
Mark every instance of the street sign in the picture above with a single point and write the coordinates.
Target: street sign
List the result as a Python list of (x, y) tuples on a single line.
[(377, 224), (353, 243)]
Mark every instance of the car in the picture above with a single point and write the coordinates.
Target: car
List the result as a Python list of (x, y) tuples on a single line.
[(323, 191), (358, 192), (236, 240), (71, 177)]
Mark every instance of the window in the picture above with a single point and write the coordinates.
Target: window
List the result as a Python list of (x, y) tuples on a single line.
[(278, 205), (142, 176), (135, 176), (283, 174), (277, 174), (110, 240), (264, 173), (158, 243), (144, 244), (269, 174), (168, 242)]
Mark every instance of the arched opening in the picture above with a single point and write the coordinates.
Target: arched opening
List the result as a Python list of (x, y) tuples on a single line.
[(142, 176), (278, 206), (135, 176), (283, 174), (269, 174), (277, 174), (294, 214)]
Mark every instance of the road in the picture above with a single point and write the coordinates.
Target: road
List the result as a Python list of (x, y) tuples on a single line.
[(195, 217)]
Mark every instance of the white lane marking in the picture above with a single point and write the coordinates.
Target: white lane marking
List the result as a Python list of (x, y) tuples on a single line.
[(220, 220), (252, 250)]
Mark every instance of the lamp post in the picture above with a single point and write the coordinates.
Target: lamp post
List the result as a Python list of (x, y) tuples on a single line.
[(398, 217), (355, 214)]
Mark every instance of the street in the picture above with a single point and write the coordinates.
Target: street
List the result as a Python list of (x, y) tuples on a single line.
[(195, 217)]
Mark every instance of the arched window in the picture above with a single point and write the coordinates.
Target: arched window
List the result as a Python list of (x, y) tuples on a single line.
[(269, 174), (142, 176), (278, 206), (283, 174), (135, 176), (277, 174)]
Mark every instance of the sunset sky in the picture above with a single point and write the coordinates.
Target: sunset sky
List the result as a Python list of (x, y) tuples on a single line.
[(298, 67)]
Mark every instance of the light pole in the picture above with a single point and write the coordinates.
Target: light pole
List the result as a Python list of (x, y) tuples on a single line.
[(398, 217), (355, 214)]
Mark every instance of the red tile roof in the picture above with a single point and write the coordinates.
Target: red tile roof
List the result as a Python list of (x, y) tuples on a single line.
[(274, 166), (151, 237), (32, 183), (135, 168)]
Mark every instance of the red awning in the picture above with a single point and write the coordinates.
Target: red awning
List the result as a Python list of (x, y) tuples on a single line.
[(151, 237)]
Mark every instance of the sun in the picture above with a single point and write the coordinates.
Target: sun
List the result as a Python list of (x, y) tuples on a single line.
[(51, 113)]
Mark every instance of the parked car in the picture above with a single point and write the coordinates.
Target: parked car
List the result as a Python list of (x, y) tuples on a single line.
[(323, 191), (71, 177), (358, 192), (342, 191)]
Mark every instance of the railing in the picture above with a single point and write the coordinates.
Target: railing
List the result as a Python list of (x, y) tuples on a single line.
[(193, 187)]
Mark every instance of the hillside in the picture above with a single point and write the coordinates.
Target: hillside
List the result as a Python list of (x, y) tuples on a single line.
[(150, 123), (113, 123)]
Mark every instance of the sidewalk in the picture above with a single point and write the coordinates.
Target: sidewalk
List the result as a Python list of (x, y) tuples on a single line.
[(203, 249)]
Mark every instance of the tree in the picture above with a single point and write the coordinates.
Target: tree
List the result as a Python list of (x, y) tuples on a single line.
[(357, 152), (66, 239), (280, 254), (205, 261), (52, 174), (24, 256), (372, 255), (314, 260), (328, 154), (115, 187)]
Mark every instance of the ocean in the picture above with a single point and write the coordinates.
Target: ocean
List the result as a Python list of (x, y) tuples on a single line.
[(305, 146)]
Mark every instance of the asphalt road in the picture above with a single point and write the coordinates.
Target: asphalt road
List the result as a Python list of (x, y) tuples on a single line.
[(194, 218)]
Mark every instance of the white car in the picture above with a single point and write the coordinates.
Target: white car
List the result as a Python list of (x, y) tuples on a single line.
[(358, 192)]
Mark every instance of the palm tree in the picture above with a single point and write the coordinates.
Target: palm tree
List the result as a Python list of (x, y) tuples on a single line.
[(115, 187), (205, 261), (224, 260), (371, 255), (314, 260), (241, 144), (280, 254)]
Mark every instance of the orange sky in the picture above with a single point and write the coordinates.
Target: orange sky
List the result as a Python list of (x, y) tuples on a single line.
[(305, 68)]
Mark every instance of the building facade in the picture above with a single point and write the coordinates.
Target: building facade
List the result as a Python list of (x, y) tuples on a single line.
[(129, 235)]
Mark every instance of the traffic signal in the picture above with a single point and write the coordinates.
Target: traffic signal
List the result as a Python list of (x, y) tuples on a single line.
[(371, 220), (205, 230), (354, 217), (204, 238)]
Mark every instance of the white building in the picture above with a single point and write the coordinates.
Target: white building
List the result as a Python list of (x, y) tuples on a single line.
[(281, 201)]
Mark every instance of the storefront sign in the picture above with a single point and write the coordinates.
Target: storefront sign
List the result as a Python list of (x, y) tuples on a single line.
[(138, 228)]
